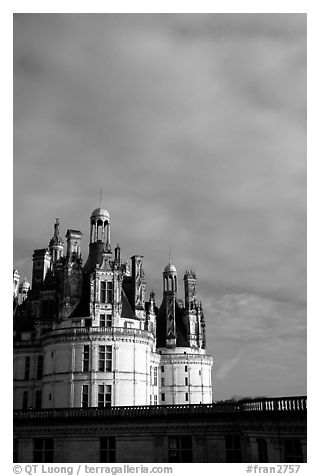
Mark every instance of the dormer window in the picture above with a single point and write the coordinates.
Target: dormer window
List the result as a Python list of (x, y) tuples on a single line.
[(106, 291)]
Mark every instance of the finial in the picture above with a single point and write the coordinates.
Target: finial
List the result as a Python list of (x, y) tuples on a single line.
[(100, 198)]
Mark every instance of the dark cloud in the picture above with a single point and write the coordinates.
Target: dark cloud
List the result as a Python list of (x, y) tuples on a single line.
[(194, 126)]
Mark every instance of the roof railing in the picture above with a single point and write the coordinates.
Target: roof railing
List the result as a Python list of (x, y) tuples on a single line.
[(270, 405)]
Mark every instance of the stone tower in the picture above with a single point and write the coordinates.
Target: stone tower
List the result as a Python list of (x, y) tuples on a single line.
[(185, 376)]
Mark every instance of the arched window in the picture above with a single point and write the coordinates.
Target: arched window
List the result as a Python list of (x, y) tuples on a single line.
[(100, 230), (171, 283), (93, 232)]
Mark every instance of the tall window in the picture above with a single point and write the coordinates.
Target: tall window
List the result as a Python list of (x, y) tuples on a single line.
[(40, 367), (15, 450), (104, 396), (162, 381), (163, 397), (186, 381), (38, 399), (105, 320), (155, 376), (180, 449), (85, 396), (25, 400), (108, 450), (106, 291), (155, 399), (292, 450), (233, 448), (262, 450), (86, 356), (187, 397), (162, 368), (109, 291), (27, 368), (103, 289), (43, 450), (105, 358)]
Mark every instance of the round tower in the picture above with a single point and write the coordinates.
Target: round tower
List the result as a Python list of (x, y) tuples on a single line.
[(185, 376), (104, 356)]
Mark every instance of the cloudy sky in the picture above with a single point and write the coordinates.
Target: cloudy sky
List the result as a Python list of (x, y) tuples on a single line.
[(194, 126)]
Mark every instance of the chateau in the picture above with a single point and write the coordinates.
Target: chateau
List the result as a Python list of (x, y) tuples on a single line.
[(103, 375), (85, 335)]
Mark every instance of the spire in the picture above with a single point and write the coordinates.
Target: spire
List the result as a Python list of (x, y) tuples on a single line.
[(56, 242), (56, 239), (152, 302), (190, 280), (57, 227), (117, 253)]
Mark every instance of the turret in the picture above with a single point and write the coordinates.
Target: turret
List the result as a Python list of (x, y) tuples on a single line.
[(23, 291), (56, 243), (190, 291), (192, 309), (100, 226), (16, 278), (150, 322), (152, 301), (117, 254), (99, 247), (185, 368), (170, 288)]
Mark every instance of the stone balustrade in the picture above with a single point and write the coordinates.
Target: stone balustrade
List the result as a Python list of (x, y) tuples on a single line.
[(281, 404), (79, 331)]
